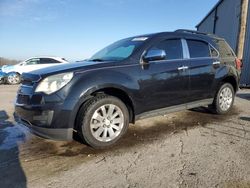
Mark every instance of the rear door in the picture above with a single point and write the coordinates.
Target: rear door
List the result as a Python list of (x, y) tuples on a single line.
[(203, 64), (164, 83)]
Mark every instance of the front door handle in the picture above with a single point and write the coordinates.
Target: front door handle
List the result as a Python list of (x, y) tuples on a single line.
[(182, 68)]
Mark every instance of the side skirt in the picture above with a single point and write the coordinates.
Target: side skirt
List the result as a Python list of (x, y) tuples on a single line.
[(176, 108)]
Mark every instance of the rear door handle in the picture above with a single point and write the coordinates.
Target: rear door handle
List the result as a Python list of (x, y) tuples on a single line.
[(216, 63), (182, 68)]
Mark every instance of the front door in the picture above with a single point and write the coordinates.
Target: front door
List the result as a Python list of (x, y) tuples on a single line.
[(164, 83)]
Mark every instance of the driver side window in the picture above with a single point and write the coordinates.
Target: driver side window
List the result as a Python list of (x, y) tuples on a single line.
[(34, 61), (172, 47)]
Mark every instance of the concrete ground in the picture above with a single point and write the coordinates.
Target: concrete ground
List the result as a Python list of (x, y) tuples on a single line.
[(185, 149)]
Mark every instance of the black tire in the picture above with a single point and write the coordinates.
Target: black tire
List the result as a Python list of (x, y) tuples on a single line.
[(13, 78), (217, 107), (85, 117), (2, 81)]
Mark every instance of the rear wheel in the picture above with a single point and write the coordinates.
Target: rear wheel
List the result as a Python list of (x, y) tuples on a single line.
[(13, 78), (102, 121), (224, 99)]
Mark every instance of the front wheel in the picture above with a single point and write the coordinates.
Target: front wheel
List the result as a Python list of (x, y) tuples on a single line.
[(224, 99), (102, 121), (13, 78)]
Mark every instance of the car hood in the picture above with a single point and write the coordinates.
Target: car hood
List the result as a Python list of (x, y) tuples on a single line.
[(69, 67), (8, 68)]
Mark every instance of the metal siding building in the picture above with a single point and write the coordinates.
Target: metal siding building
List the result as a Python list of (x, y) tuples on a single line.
[(245, 78), (224, 20), (208, 24)]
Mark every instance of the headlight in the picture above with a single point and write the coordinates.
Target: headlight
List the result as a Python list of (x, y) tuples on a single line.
[(53, 83)]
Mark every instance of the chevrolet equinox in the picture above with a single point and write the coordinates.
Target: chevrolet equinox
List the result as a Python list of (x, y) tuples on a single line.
[(132, 79)]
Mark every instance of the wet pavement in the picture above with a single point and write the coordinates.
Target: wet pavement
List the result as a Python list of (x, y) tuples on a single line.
[(185, 149)]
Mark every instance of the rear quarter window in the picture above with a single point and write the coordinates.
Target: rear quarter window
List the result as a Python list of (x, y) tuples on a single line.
[(213, 51), (224, 49)]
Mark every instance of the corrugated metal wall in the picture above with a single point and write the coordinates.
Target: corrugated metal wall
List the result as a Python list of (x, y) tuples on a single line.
[(227, 26), (245, 77), (227, 22), (208, 24)]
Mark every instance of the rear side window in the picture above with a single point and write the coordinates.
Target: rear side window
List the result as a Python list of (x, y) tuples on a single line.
[(198, 49), (48, 61), (172, 47), (224, 49)]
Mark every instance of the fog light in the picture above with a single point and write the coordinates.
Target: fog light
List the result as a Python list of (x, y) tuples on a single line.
[(44, 119)]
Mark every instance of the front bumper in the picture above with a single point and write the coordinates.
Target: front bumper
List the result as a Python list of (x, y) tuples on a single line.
[(45, 132), (48, 116), (3, 77), (47, 121)]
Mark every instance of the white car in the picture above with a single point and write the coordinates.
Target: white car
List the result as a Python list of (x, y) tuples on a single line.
[(14, 71)]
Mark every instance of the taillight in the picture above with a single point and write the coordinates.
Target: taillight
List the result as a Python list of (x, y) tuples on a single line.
[(238, 64)]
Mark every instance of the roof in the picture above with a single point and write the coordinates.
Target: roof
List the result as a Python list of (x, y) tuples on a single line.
[(179, 32), (210, 12), (190, 32)]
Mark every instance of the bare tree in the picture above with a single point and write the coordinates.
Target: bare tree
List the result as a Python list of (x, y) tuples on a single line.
[(5, 61)]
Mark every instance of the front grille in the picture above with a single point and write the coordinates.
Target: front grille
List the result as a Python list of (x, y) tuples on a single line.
[(23, 99)]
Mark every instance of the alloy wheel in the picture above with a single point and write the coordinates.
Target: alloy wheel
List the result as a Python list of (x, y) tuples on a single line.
[(107, 123), (225, 98), (13, 78)]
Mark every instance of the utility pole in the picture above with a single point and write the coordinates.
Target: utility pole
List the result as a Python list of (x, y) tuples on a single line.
[(243, 26)]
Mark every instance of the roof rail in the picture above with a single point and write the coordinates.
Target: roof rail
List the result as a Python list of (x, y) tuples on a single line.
[(193, 32)]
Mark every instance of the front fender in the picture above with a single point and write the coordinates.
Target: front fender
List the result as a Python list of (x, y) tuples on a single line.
[(93, 81), (86, 83)]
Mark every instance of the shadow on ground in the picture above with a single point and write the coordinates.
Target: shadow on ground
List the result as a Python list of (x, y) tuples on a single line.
[(11, 172), (245, 118), (244, 96)]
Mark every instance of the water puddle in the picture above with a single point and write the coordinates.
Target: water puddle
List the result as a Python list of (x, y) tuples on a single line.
[(13, 136), (10, 136)]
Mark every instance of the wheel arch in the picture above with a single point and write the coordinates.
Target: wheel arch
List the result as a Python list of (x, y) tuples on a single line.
[(232, 80), (14, 72), (120, 94), (113, 91)]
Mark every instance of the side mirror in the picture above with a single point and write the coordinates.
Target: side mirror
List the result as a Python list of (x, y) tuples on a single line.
[(154, 55)]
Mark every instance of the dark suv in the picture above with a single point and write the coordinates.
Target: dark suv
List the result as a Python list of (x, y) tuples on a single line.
[(131, 79)]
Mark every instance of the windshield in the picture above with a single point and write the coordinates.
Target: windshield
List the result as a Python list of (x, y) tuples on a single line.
[(119, 50)]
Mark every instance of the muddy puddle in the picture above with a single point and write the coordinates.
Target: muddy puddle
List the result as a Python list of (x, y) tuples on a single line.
[(143, 132)]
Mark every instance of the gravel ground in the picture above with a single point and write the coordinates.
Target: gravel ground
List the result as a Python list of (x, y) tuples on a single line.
[(186, 149)]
